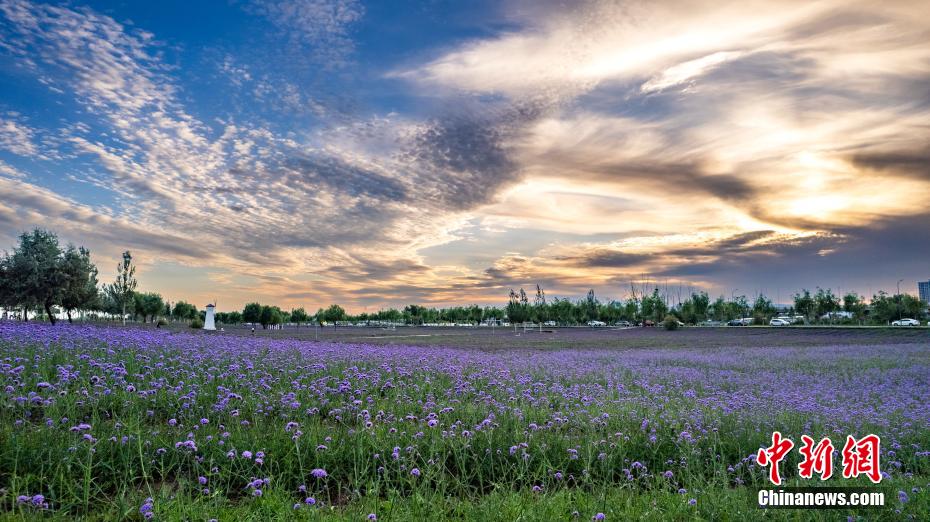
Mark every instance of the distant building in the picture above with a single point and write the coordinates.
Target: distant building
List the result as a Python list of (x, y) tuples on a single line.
[(923, 288)]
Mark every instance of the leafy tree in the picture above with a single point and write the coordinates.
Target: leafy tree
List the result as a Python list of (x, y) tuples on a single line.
[(804, 304), (854, 304), (299, 315), (252, 313), (763, 308), (149, 304), (124, 287), (184, 311), (271, 315), (518, 307), (825, 303), (334, 313), (80, 290), (38, 272), (590, 306), (654, 307)]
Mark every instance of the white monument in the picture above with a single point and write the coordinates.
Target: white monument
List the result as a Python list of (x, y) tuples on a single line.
[(208, 323)]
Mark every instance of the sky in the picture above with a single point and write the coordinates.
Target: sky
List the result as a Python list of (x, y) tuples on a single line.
[(373, 154)]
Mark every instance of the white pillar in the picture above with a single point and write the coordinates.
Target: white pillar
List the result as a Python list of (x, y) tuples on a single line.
[(208, 323)]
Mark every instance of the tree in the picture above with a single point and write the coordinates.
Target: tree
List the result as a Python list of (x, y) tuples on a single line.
[(804, 304), (299, 315), (184, 311), (825, 303), (252, 313), (149, 304), (518, 307), (590, 306), (37, 269), (80, 290), (762, 309), (854, 304), (271, 315), (334, 313), (124, 287), (654, 307)]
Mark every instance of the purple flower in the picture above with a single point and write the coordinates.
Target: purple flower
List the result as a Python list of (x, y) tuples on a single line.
[(202, 480), (599, 516), (247, 454), (309, 501), (692, 501), (372, 516), (415, 472), (318, 473)]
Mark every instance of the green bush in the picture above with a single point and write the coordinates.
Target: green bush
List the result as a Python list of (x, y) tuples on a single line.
[(670, 322), (196, 323)]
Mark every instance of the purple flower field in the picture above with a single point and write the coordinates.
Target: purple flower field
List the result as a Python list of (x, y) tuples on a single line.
[(95, 419)]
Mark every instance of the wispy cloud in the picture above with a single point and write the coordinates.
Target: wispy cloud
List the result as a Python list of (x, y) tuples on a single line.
[(691, 140)]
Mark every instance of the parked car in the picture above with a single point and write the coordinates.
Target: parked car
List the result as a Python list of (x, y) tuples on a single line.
[(710, 322), (550, 323), (744, 321), (779, 322), (596, 323), (625, 324), (906, 322)]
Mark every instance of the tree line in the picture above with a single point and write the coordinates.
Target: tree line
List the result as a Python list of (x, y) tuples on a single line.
[(42, 276)]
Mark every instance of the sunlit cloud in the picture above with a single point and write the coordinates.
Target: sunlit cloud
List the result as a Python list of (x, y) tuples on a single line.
[(575, 146)]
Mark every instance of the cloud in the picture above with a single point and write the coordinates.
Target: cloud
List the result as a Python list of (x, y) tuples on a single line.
[(318, 28), (8, 170), (687, 71), (704, 141), (17, 138)]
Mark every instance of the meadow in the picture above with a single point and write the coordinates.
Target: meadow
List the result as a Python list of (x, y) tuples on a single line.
[(132, 423)]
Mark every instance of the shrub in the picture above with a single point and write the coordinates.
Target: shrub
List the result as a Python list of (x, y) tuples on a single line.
[(196, 323), (670, 322)]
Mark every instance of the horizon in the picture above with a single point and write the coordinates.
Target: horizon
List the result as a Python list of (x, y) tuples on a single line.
[(307, 153)]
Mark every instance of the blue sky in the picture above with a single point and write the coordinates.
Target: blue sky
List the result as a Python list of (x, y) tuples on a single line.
[(305, 152)]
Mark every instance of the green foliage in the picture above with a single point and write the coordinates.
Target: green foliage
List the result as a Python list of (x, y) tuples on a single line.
[(149, 305), (38, 273), (654, 307), (271, 315), (804, 304), (518, 307), (80, 290), (670, 322), (184, 311), (252, 313), (825, 302), (197, 322), (334, 313), (886, 308), (122, 290), (298, 315)]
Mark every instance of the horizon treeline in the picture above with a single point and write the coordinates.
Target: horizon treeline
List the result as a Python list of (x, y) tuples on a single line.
[(42, 277)]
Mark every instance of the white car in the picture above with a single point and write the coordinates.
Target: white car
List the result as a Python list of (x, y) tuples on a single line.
[(906, 322), (549, 323), (779, 322), (596, 323)]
